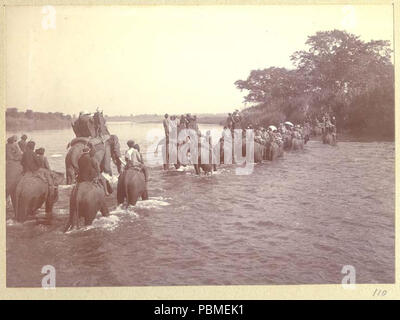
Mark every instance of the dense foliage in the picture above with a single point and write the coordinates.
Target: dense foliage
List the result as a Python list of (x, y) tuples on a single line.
[(337, 73)]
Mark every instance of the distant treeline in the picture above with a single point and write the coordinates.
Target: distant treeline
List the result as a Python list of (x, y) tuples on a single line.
[(337, 73), (205, 118), (136, 118), (31, 120)]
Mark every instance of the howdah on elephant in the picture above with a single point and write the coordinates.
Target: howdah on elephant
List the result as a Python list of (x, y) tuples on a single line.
[(105, 151)]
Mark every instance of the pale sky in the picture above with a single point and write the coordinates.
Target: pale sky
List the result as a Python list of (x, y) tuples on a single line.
[(161, 59)]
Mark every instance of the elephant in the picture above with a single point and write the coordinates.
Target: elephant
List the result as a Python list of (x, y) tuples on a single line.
[(104, 152), (297, 144), (306, 134), (87, 198), (259, 151), (287, 141), (281, 150), (317, 130), (32, 191), (274, 151), (202, 151), (210, 165), (13, 175), (131, 186), (329, 138)]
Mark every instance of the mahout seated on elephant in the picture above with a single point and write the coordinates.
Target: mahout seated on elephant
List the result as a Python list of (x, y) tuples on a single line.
[(44, 163), (89, 169), (88, 195), (132, 182), (35, 189), (36, 185)]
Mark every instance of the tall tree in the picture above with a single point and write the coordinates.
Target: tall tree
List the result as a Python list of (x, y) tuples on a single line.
[(340, 68), (338, 73)]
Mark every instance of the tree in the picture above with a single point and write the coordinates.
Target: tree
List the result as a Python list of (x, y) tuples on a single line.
[(339, 68), (337, 73), (279, 92)]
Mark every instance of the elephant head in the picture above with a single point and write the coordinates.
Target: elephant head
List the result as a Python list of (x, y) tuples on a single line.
[(115, 146)]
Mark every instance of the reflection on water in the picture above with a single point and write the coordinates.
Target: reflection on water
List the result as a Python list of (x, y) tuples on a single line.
[(295, 221)]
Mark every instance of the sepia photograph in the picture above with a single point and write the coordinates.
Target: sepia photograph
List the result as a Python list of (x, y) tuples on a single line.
[(199, 145)]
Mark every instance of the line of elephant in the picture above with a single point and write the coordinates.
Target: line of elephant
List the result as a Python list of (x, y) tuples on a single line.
[(87, 198), (270, 151)]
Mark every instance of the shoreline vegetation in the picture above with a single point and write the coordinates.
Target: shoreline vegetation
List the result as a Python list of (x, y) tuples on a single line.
[(337, 73)]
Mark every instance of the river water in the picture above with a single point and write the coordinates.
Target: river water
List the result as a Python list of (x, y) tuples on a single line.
[(298, 220)]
